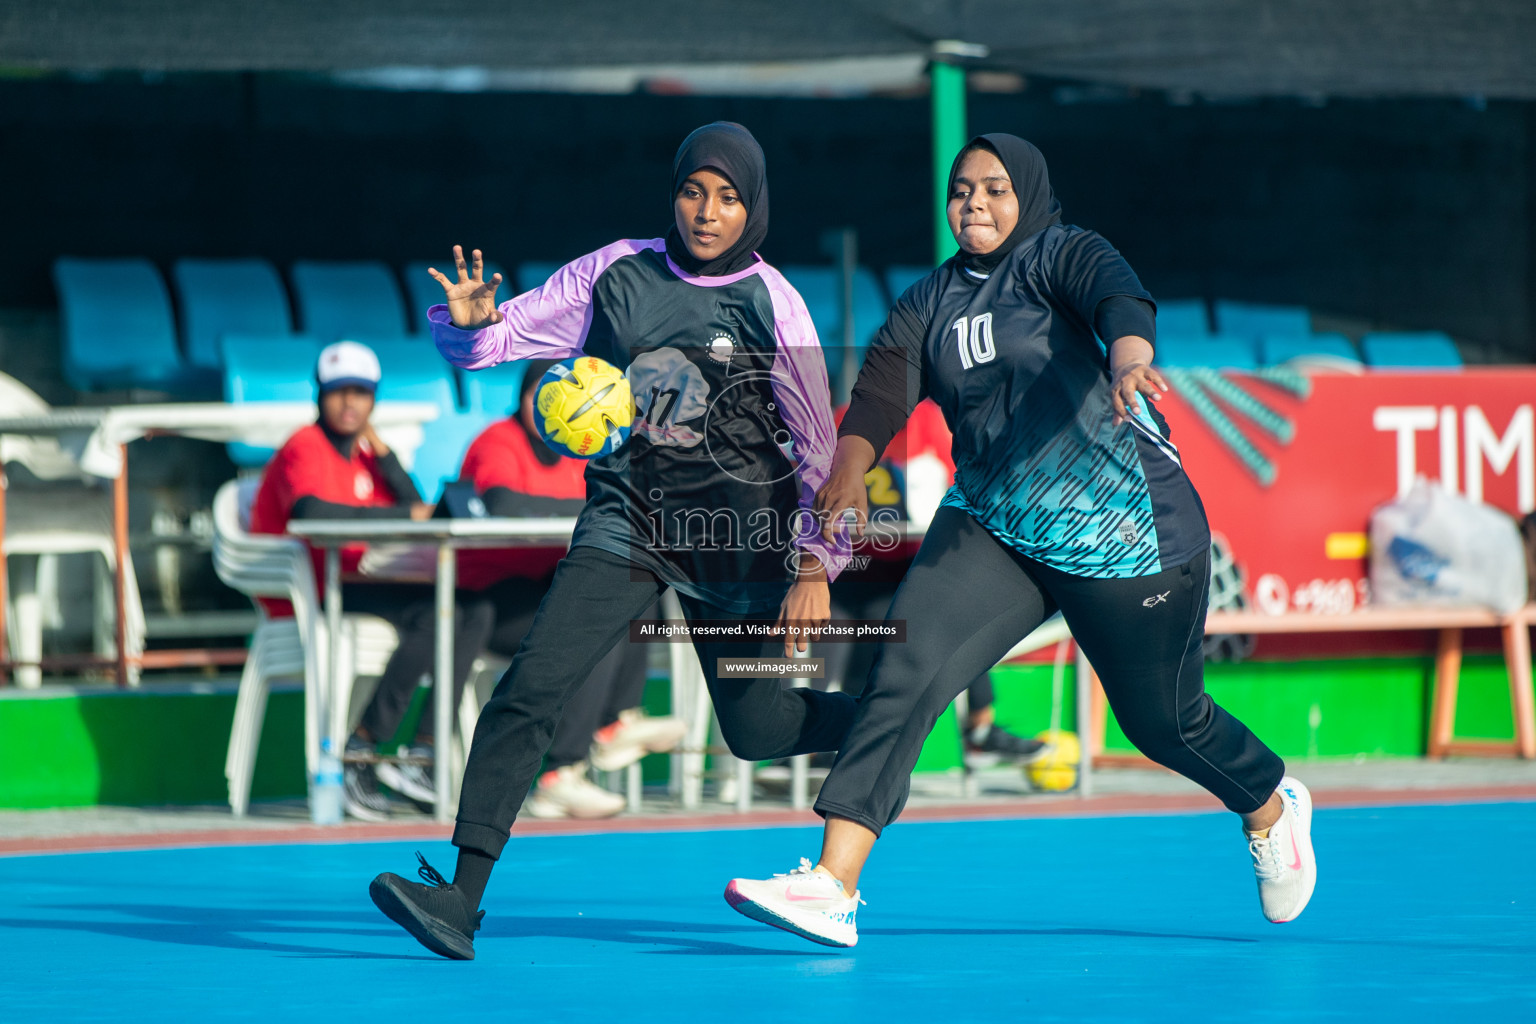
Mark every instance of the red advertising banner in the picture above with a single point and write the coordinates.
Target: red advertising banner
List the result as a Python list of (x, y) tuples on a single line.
[(1290, 466)]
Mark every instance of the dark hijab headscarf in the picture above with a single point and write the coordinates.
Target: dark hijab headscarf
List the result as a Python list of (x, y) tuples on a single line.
[(729, 149), (533, 374), (1038, 208)]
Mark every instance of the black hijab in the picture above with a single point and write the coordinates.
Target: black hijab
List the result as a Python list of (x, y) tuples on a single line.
[(730, 149), (1038, 208)]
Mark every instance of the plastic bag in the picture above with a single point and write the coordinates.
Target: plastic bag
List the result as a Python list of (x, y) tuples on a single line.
[(1432, 547)]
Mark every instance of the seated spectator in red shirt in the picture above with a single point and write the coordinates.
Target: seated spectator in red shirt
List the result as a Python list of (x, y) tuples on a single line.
[(338, 468), (517, 474)]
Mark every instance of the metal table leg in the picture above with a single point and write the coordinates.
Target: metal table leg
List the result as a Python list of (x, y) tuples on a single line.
[(744, 771), (120, 546), (5, 672), (442, 679), (325, 714), (634, 782), (1084, 686), (800, 764)]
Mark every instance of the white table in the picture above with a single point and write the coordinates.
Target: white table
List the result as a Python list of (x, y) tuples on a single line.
[(446, 536), (94, 439), (449, 535)]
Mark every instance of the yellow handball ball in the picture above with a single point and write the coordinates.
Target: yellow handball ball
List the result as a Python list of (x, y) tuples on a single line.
[(583, 407), (1055, 770)]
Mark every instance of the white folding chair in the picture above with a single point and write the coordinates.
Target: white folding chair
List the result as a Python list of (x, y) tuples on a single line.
[(280, 567), (74, 517), (40, 526)]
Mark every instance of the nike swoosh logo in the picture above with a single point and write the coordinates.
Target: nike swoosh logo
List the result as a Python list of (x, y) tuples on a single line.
[(789, 894), (1295, 852)]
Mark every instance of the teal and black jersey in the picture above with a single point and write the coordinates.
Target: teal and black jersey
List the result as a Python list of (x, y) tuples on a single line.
[(1012, 359)]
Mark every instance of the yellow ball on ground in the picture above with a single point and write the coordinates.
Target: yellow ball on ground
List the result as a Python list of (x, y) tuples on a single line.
[(1055, 770), (583, 407)]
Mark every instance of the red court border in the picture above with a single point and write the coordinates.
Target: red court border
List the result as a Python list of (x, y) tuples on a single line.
[(1120, 805)]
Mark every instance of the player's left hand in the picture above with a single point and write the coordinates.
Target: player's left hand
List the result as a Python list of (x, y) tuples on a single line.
[(1130, 381)]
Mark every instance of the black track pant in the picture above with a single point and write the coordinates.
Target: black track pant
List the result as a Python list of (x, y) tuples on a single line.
[(412, 609), (968, 598), (851, 663), (616, 684), (590, 603)]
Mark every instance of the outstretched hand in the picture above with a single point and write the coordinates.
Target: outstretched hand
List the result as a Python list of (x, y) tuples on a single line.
[(471, 299)]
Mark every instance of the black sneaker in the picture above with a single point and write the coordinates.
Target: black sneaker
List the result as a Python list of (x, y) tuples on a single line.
[(434, 914), (987, 745)]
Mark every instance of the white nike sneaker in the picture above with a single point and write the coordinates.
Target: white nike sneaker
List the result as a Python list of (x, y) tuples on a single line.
[(620, 744), (567, 793), (411, 776), (805, 901), (1284, 863)]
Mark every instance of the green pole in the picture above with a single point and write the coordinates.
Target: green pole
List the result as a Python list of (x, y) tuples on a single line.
[(946, 89)]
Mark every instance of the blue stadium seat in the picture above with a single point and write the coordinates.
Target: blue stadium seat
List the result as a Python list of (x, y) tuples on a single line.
[(1220, 351), (347, 300), (899, 279), (821, 288), (441, 455), (1184, 317), (493, 391), (533, 273), (1428, 350), (1255, 320), (117, 325), (219, 297), (413, 371), (266, 368), (423, 292), (1327, 347)]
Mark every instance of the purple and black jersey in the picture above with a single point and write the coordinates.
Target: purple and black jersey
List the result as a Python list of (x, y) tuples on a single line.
[(733, 430), (1012, 360)]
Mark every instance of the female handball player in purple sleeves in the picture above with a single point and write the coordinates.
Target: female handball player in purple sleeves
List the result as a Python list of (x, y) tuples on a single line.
[(733, 428)]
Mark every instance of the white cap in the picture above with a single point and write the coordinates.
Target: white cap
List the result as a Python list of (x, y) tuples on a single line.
[(347, 364)]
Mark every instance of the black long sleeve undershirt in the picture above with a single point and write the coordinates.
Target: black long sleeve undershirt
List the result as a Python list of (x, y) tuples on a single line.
[(1124, 316), (504, 501), (399, 480), (310, 507)]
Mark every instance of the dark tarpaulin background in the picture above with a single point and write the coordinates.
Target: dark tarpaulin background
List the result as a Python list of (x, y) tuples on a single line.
[(1402, 203), (1413, 213), (1214, 47)]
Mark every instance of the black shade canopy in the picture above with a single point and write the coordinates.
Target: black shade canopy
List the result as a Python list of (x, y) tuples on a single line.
[(1215, 47)]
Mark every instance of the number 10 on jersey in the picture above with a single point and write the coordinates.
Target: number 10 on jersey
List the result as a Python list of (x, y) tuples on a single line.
[(974, 338)]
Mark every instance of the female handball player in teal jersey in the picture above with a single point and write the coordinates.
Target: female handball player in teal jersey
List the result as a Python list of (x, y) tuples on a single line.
[(1068, 496)]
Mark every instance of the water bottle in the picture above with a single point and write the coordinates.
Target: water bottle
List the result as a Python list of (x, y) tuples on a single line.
[(325, 787)]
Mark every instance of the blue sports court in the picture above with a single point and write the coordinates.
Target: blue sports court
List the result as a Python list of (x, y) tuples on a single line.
[(383, 384), (1421, 913)]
